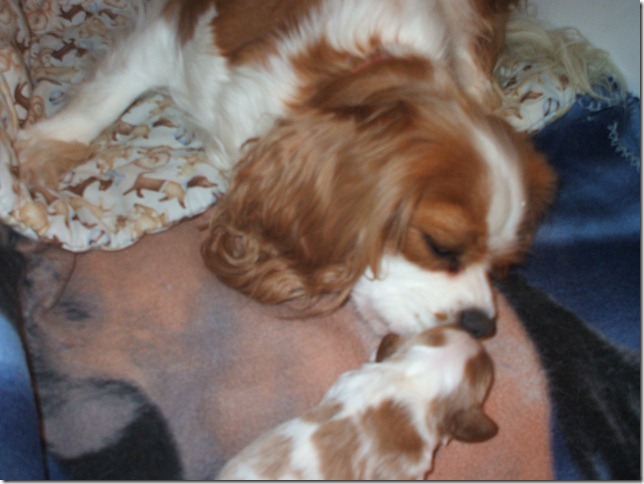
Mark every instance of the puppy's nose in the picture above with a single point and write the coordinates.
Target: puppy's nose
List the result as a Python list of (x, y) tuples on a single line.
[(478, 323)]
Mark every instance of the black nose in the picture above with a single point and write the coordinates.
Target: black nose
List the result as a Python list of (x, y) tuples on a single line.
[(477, 323)]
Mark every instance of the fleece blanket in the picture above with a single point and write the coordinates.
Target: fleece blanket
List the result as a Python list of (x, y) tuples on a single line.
[(163, 372), (586, 257), (146, 367)]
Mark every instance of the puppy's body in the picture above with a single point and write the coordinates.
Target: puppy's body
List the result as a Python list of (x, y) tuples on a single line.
[(383, 420), (358, 139)]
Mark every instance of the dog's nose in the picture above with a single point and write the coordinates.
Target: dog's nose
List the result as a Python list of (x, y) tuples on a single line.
[(477, 323)]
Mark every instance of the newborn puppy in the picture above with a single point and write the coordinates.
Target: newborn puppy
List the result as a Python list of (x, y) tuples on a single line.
[(384, 420)]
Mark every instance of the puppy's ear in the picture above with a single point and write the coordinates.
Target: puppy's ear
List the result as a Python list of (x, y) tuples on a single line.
[(471, 425), (389, 344)]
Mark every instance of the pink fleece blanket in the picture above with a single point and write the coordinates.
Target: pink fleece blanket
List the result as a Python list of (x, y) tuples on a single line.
[(145, 353)]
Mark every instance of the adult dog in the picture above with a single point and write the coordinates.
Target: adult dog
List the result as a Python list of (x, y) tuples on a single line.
[(359, 140)]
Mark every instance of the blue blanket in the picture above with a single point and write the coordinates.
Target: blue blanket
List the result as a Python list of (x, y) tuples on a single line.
[(587, 258), (21, 455)]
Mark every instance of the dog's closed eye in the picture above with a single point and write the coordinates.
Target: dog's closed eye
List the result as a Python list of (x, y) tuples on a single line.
[(450, 255)]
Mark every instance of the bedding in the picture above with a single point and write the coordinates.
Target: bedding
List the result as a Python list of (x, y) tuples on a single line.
[(144, 366), (21, 449), (148, 171), (586, 257), (135, 383)]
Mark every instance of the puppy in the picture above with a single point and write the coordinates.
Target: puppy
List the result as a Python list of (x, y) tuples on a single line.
[(385, 420), (358, 139)]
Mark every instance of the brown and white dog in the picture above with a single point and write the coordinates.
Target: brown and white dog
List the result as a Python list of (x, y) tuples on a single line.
[(359, 141), (385, 420)]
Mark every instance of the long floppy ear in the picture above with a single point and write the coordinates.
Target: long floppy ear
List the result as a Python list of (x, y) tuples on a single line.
[(303, 217), (460, 414), (316, 200), (541, 183), (265, 236), (388, 346), (471, 425)]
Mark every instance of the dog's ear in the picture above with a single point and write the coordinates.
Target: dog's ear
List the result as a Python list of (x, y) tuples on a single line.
[(313, 203), (388, 345), (283, 230), (541, 184), (471, 425)]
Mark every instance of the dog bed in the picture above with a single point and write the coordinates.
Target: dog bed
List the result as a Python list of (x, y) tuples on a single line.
[(148, 172)]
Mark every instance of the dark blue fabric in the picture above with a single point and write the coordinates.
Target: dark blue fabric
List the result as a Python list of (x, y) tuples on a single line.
[(596, 156), (597, 280), (21, 454), (586, 255)]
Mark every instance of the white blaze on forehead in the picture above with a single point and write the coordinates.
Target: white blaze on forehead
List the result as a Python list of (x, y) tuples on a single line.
[(507, 193)]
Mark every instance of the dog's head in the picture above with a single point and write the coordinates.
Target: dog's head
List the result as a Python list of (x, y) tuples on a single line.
[(386, 182), (452, 375)]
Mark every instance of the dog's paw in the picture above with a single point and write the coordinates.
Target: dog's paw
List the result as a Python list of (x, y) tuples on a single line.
[(44, 161)]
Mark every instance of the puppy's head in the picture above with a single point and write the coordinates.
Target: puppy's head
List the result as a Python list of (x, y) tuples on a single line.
[(453, 374), (386, 182)]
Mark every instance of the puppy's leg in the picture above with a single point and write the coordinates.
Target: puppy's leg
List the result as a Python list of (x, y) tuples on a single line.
[(143, 62)]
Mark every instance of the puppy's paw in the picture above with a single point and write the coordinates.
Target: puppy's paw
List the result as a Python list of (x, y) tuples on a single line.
[(43, 161)]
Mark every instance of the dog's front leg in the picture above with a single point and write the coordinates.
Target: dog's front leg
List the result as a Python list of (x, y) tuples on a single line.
[(142, 62)]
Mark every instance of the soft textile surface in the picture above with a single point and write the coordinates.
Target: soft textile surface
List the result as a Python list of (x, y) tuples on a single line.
[(149, 368), (594, 387), (115, 331), (162, 371), (148, 171), (21, 454), (587, 257)]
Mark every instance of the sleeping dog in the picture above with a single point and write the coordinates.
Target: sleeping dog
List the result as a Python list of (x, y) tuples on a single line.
[(360, 143)]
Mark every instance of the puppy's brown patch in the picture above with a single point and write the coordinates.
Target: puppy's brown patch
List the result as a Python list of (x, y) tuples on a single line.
[(391, 426), (392, 342), (433, 338), (337, 444), (388, 345), (478, 372), (323, 413), (278, 460)]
